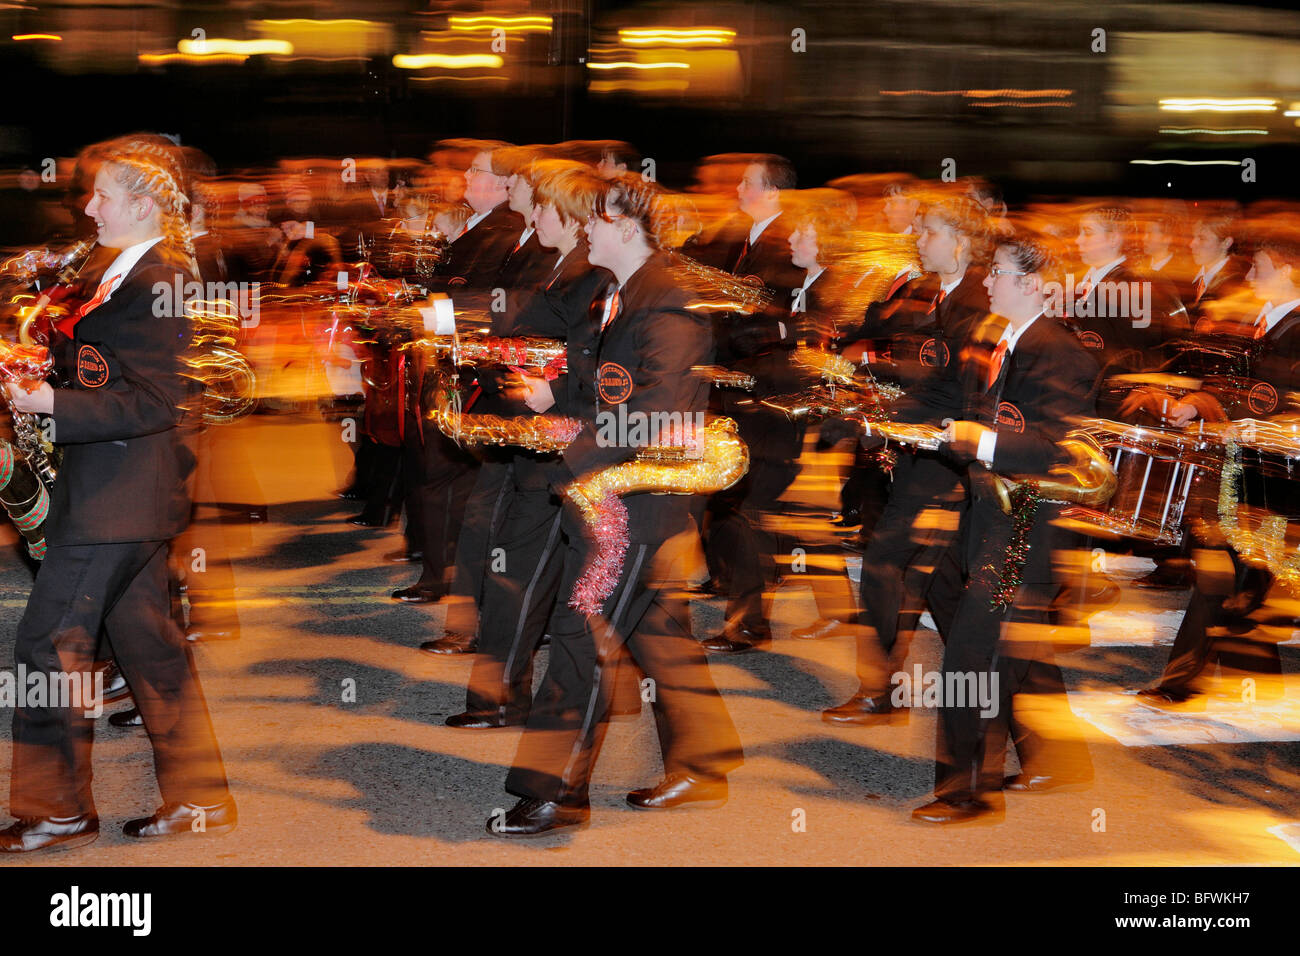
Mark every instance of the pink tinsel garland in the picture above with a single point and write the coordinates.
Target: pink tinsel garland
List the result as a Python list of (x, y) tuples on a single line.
[(610, 537)]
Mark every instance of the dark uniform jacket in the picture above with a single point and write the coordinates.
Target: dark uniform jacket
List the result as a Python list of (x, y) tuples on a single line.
[(475, 258), (639, 365), (1045, 387), (125, 422), (927, 342)]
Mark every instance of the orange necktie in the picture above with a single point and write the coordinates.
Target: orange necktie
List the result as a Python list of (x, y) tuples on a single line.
[(937, 299), (1200, 289), (1261, 325), (69, 324), (612, 312), (898, 284), (995, 363)]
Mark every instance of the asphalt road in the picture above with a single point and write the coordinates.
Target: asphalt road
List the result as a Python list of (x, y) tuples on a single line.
[(381, 781)]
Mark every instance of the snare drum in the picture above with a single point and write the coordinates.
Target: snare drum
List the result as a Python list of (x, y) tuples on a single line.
[(1160, 472), (1264, 527)]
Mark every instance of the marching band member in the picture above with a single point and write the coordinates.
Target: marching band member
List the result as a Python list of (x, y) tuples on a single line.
[(930, 327), (643, 349), (121, 495), (1024, 379)]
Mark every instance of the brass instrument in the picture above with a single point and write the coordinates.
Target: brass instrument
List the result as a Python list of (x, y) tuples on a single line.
[(706, 463), (28, 267), (717, 291), (1086, 478), (229, 382), (478, 349), (725, 377)]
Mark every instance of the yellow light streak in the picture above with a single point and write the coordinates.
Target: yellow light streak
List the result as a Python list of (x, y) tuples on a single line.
[(235, 47), (629, 65), (466, 61)]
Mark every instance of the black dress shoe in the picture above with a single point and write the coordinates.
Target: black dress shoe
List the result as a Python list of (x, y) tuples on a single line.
[(529, 818), (350, 494), (738, 641), (364, 521), (115, 686), (259, 513), (451, 643), (470, 720), (416, 595), (678, 790), (848, 519), (402, 556), (127, 718), (962, 811), (30, 834), (861, 709), (710, 587), (174, 819), (1045, 783), (854, 545)]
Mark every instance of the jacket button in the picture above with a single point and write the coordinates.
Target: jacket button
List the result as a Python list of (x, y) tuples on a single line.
[(586, 351)]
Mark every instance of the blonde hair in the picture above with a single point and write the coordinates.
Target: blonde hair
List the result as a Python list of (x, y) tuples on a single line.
[(152, 166)]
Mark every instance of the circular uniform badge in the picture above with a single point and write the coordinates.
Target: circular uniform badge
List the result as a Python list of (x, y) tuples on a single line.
[(934, 353), (1262, 399), (1010, 417), (614, 383), (1091, 340), (92, 370)]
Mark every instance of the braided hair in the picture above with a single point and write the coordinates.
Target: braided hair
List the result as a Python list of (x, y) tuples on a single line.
[(152, 166)]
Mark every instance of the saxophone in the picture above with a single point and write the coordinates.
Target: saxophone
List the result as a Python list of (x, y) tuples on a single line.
[(703, 463)]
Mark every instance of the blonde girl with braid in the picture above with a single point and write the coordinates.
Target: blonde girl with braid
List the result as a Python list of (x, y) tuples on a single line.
[(125, 425)]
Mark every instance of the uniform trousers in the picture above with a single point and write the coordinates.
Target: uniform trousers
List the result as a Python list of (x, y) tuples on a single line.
[(519, 592), (439, 476), (122, 588), (485, 509), (1008, 651), (648, 612), (899, 576)]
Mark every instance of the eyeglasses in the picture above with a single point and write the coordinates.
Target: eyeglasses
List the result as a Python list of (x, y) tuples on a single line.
[(995, 271), (479, 169)]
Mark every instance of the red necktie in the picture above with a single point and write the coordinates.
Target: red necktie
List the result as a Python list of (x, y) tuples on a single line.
[(67, 325), (937, 299), (995, 363), (1200, 289), (744, 251), (611, 313)]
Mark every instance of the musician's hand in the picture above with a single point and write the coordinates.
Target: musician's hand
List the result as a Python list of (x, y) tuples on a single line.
[(1181, 414), (40, 401), (538, 395), (1136, 401)]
